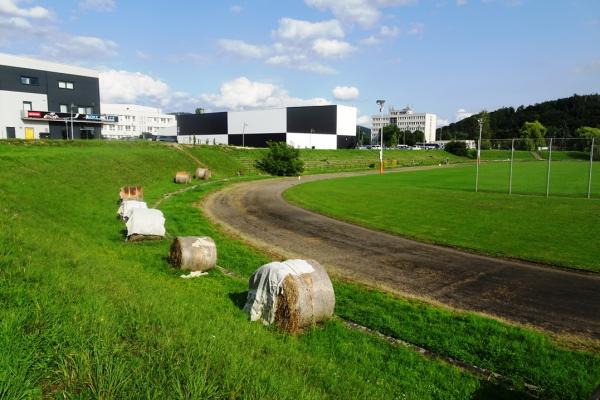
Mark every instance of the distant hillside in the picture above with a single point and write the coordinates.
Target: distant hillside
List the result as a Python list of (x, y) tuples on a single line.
[(561, 117)]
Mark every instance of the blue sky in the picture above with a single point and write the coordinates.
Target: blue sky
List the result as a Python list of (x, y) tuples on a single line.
[(438, 55)]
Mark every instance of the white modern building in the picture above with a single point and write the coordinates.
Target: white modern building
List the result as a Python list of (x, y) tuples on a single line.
[(319, 127), (47, 100), (406, 120), (135, 120)]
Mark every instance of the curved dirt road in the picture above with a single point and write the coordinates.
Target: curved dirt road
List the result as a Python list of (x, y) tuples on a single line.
[(552, 299)]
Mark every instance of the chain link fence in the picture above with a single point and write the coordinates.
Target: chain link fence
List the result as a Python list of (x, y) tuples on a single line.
[(546, 167)]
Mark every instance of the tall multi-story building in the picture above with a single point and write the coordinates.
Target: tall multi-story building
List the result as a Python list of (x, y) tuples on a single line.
[(406, 120), (135, 120), (41, 99), (318, 127)]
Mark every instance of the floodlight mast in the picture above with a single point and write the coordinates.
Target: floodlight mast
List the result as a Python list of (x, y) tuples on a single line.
[(480, 121), (380, 103)]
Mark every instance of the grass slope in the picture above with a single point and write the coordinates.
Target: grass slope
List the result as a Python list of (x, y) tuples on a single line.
[(83, 314), (440, 206)]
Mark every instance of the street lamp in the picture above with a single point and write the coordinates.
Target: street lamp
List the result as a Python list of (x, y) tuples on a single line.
[(72, 131), (480, 121), (380, 103), (243, 133)]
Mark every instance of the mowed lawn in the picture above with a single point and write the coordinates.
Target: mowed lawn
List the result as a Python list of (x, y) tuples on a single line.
[(440, 206), (85, 315)]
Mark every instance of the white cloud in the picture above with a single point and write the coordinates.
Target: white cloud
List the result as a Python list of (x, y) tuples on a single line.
[(117, 86), (301, 62), (416, 28), (363, 12), (242, 93), (345, 92), (461, 2), (11, 8), (141, 55), (461, 114), (236, 9), (389, 31), (364, 120), (332, 48), (442, 122), (97, 5), (242, 49), (76, 48), (370, 41), (298, 30)]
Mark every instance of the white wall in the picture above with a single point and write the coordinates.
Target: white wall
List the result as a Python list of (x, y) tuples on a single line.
[(11, 104), (346, 121), (201, 139), (259, 121), (134, 120), (308, 140)]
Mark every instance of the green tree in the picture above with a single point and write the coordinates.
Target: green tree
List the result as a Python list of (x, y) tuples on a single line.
[(534, 133), (281, 160), (199, 110), (588, 132), (390, 135)]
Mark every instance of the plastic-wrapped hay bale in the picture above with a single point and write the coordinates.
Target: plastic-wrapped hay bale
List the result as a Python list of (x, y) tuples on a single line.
[(131, 193), (145, 224), (293, 294), (126, 208), (183, 177), (193, 253), (203, 173)]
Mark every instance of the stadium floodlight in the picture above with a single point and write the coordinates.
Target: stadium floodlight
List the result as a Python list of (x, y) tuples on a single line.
[(480, 120), (380, 103)]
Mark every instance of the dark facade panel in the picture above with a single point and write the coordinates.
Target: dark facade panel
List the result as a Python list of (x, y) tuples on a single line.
[(256, 139), (10, 79), (85, 92), (58, 130), (319, 119), (346, 142), (202, 124)]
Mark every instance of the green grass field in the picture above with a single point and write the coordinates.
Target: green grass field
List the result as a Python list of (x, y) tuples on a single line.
[(85, 315), (440, 206)]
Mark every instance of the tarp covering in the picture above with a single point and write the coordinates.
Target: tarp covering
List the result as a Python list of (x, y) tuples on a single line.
[(146, 221), (127, 207), (265, 287)]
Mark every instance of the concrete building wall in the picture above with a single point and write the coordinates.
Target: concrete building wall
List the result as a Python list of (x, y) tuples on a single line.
[(136, 119), (308, 140), (260, 121), (11, 105)]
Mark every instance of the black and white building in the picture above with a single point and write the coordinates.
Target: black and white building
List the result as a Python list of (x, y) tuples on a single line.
[(40, 99), (319, 127)]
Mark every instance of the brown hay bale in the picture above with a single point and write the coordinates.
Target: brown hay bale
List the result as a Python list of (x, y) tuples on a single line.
[(193, 253), (182, 177), (131, 193), (305, 299), (203, 173)]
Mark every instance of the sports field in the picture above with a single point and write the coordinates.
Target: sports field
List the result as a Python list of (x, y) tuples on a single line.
[(440, 206), (85, 315)]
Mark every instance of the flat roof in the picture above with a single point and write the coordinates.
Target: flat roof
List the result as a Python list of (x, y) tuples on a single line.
[(11, 60)]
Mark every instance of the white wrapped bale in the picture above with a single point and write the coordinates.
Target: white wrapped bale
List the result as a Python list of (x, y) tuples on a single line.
[(203, 173), (127, 206), (145, 224), (293, 294), (193, 253)]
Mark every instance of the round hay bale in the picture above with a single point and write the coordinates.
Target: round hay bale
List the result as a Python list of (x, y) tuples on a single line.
[(131, 193), (305, 299), (193, 252), (183, 177), (203, 173)]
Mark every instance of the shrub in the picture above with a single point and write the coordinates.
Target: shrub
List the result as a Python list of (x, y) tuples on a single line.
[(458, 148), (281, 160)]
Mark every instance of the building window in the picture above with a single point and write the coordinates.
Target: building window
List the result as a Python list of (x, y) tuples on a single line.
[(89, 110), (30, 80), (27, 106), (63, 108), (65, 85)]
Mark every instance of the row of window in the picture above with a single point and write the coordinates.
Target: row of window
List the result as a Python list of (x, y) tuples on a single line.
[(129, 128), (148, 119), (35, 81), (63, 108)]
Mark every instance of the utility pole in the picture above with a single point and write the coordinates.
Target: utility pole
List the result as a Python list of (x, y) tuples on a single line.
[(380, 103), (480, 120), (243, 134), (72, 131)]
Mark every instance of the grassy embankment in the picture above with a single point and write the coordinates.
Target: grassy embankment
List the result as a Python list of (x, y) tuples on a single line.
[(440, 206), (84, 314)]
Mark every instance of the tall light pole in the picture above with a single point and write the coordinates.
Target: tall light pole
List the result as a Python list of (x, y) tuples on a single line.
[(480, 120), (72, 131), (243, 134), (380, 103)]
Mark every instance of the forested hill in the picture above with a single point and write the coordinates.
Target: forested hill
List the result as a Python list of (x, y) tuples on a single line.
[(561, 117)]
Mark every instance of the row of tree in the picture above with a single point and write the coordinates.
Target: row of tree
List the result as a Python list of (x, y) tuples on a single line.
[(392, 136), (561, 118)]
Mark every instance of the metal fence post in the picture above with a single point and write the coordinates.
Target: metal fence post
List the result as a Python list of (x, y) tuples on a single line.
[(512, 157), (549, 166), (591, 164)]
